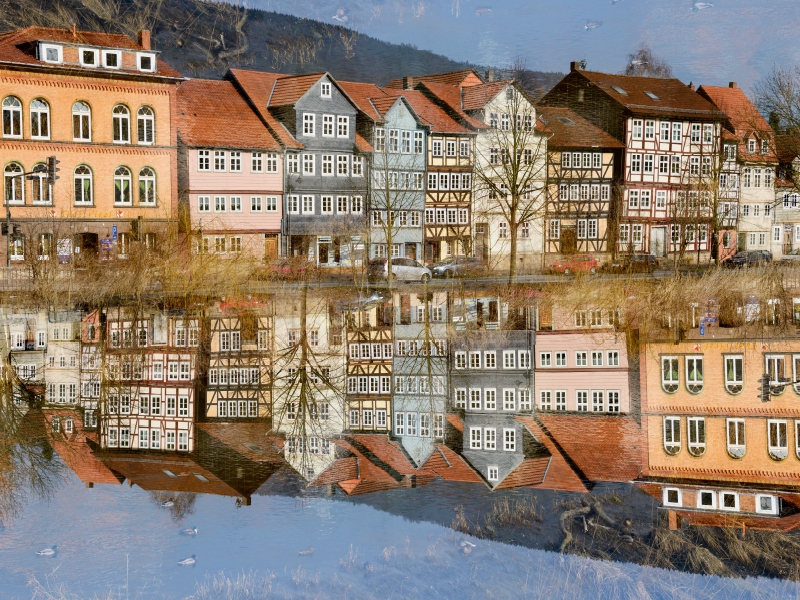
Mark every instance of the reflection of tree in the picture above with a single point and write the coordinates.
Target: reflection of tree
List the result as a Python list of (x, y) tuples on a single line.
[(28, 468), (182, 503)]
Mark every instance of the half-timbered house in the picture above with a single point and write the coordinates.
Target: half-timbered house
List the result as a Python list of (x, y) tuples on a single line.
[(671, 161), (370, 349), (236, 381), (582, 196), (148, 386)]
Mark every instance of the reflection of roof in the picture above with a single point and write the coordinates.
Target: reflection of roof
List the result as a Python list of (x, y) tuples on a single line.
[(449, 466), (570, 130), (603, 448), (205, 111), (76, 452), (464, 77), (476, 97), (560, 475), (673, 96), (531, 472), (13, 42), (248, 439)]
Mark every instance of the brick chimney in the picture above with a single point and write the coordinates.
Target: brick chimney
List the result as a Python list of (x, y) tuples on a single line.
[(144, 39), (408, 83), (575, 65), (733, 85), (490, 75), (75, 31)]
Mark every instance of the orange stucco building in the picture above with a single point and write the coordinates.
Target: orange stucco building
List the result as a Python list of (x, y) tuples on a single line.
[(103, 105)]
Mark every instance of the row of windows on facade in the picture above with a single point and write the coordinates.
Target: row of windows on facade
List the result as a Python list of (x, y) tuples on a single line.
[(765, 504), (675, 165), (310, 445), (234, 377), (733, 373), (632, 233), (364, 418), (307, 205), (67, 425), (413, 384), (231, 161), (586, 229), (237, 409), (581, 160), (405, 424), (602, 400), (42, 193), (485, 438), (345, 165), (332, 125), (446, 181), (503, 121), (95, 57), (503, 156), (777, 436), (81, 121), (692, 204), (581, 358), (315, 375), (645, 129), (120, 437), (317, 411), (751, 178), (122, 336), (152, 405), (586, 192), (138, 371), (754, 210), (233, 204), (512, 359), (400, 141), (486, 399), (18, 339), (420, 347), (369, 385), (411, 218)]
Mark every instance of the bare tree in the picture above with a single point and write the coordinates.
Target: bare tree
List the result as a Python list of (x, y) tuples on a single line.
[(643, 63)]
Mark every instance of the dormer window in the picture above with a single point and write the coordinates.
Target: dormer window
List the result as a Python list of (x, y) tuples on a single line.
[(88, 57), (51, 54), (112, 59), (764, 147), (146, 62), (325, 90), (751, 146)]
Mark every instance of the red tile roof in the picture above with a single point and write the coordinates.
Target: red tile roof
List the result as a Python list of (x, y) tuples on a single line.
[(788, 147), (451, 96), (248, 439), (438, 120), (257, 86), (560, 475), (342, 469), (449, 466), (674, 96), (580, 135), (743, 118), (12, 45), (362, 144), (603, 448), (290, 88), (455, 421), (363, 95), (213, 113), (380, 449), (531, 472), (464, 77), (476, 97)]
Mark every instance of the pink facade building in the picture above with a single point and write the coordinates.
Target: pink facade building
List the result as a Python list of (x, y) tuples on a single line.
[(581, 363), (231, 172)]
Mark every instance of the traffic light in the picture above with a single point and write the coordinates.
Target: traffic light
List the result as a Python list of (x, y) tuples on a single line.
[(764, 390), (52, 169)]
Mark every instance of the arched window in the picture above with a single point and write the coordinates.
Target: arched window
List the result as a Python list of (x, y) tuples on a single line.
[(146, 125), (40, 119), (122, 186), (14, 183), (12, 117), (81, 122), (83, 185), (39, 185), (147, 187), (121, 124)]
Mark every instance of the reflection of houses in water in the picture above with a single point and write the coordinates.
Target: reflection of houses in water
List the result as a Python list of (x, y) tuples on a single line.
[(26, 335), (236, 381)]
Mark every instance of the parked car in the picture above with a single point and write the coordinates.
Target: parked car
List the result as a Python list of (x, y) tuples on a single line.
[(403, 269), (634, 263), (459, 266), (748, 258), (288, 269), (792, 258), (577, 263)]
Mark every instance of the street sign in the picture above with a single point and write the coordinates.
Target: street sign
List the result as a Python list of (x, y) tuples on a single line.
[(702, 326), (114, 233)]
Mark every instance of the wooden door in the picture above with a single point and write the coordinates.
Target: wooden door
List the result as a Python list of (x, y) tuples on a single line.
[(569, 241), (270, 248)]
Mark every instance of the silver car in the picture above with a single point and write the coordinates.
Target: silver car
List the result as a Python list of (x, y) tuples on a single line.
[(403, 269)]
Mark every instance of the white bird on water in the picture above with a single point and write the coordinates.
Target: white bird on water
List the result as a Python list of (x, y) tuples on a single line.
[(188, 561), (167, 503), (701, 5), (190, 531), (592, 25), (47, 551), (307, 552)]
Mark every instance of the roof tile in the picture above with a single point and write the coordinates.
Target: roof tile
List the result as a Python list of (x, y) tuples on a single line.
[(580, 134)]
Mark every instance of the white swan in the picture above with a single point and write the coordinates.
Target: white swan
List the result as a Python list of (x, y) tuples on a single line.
[(47, 551), (188, 561), (190, 531), (307, 552), (167, 503)]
